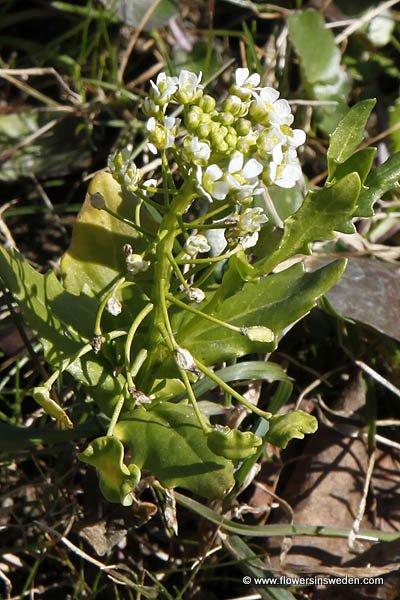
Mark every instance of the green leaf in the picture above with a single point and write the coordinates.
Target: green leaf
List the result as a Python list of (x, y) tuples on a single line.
[(360, 162), (252, 565), (323, 77), (117, 480), (63, 322), (53, 314), (13, 438), (168, 441), (275, 301), (381, 180), (349, 134), (321, 213), (232, 443), (320, 65), (278, 530), (283, 428), (394, 121), (132, 12), (95, 256)]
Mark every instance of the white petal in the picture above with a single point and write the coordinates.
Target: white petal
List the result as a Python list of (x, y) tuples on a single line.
[(214, 172), (252, 168), (277, 154), (220, 190), (151, 124), (282, 108), (268, 94), (253, 80), (236, 163), (298, 138), (152, 148), (241, 75)]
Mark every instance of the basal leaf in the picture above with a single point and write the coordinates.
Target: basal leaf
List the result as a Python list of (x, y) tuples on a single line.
[(321, 65), (95, 256), (63, 322), (117, 481), (384, 178), (349, 134), (321, 213), (275, 301), (53, 314), (132, 12), (283, 428), (322, 75), (168, 441)]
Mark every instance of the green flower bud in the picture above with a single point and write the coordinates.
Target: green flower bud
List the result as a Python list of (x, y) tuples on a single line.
[(243, 126), (193, 118), (226, 118), (204, 130), (231, 139), (207, 103)]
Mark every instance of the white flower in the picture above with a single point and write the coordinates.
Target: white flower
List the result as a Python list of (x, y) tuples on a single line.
[(243, 177), (267, 107), (211, 184), (196, 150), (196, 243), (251, 220), (281, 113), (164, 88), (124, 170), (268, 139), (188, 86), (195, 294), (162, 135), (135, 263), (285, 172), (246, 227), (149, 183), (245, 82)]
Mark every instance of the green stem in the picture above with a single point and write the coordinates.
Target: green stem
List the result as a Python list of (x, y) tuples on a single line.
[(210, 373), (164, 245), (129, 340), (100, 311), (205, 427), (199, 313), (115, 416), (128, 222), (211, 259), (177, 271), (209, 215)]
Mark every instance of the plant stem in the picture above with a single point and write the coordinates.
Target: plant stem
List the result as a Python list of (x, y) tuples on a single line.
[(210, 373), (211, 259), (103, 304), (129, 340), (199, 313)]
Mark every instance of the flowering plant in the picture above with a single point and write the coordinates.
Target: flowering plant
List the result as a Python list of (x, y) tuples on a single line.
[(168, 278)]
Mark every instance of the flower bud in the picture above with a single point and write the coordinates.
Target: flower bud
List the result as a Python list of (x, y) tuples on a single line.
[(135, 263), (258, 334), (193, 118), (195, 294), (114, 306), (185, 361), (243, 126), (226, 118), (207, 103)]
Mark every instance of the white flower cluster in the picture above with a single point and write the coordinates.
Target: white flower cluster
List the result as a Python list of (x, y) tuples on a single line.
[(234, 148)]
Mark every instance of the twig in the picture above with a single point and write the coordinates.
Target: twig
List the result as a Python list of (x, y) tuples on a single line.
[(363, 502), (368, 16), (43, 71), (378, 377), (135, 37)]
